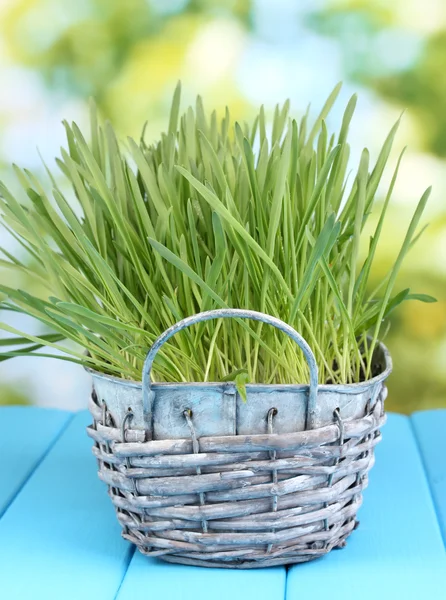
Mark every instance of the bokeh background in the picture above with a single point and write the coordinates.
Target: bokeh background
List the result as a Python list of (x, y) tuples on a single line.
[(129, 54)]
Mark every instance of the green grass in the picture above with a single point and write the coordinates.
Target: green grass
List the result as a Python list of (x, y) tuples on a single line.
[(216, 214)]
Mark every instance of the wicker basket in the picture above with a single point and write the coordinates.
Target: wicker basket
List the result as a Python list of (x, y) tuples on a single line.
[(199, 477)]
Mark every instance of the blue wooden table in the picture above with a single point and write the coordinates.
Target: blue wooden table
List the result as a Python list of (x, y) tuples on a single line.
[(59, 538)]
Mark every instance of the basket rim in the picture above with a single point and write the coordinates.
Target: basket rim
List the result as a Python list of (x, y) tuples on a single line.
[(346, 388)]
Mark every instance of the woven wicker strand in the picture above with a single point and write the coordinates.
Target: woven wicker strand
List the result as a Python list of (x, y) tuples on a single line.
[(242, 501)]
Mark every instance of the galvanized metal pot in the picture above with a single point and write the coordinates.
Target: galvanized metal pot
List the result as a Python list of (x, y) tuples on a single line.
[(198, 476)]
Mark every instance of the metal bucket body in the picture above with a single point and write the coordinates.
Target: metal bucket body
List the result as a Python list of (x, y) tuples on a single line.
[(219, 410)]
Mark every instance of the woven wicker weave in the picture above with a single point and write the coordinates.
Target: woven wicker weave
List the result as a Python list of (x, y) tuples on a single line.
[(239, 501)]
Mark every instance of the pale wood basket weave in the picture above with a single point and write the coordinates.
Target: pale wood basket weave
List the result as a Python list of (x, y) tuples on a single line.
[(198, 477)]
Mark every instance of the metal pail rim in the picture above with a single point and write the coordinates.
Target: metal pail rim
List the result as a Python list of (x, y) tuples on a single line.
[(345, 388)]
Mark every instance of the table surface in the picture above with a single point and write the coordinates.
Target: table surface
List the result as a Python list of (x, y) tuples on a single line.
[(60, 540)]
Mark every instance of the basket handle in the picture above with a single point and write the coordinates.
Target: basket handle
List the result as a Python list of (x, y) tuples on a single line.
[(149, 394)]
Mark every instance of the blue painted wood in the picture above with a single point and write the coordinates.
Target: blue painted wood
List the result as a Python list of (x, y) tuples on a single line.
[(157, 580), (430, 431), (397, 551), (59, 539), (26, 434)]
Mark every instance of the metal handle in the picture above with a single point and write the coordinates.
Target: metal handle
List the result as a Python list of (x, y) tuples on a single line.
[(148, 393)]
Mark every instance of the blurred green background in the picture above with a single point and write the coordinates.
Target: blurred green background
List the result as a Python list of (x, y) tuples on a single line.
[(54, 54)]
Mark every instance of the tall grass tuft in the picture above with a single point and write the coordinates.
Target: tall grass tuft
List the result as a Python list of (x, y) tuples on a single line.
[(216, 214)]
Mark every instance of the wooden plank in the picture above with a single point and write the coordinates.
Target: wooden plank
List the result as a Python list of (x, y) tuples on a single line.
[(26, 435), (430, 431), (397, 551), (153, 578), (60, 537)]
